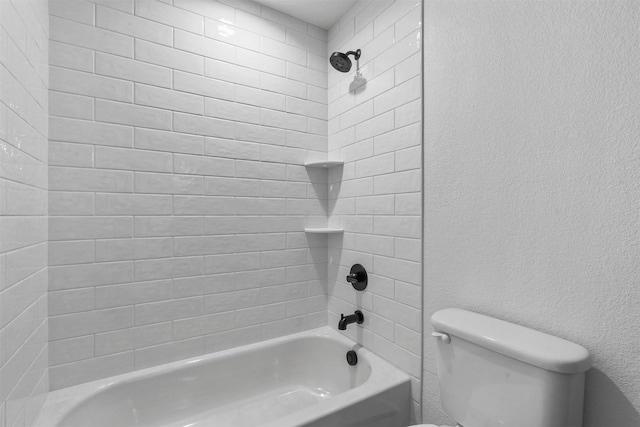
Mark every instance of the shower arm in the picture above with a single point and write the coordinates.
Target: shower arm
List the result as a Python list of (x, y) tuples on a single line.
[(356, 54)]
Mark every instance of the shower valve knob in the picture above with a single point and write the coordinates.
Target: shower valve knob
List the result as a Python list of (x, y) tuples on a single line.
[(358, 277)]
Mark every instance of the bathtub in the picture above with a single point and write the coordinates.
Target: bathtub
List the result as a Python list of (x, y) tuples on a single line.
[(298, 380)]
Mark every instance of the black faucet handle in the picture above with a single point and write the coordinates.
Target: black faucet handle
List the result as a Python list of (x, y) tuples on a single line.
[(358, 277)]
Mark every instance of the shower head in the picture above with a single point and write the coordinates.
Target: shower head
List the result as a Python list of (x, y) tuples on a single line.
[(341, 62)]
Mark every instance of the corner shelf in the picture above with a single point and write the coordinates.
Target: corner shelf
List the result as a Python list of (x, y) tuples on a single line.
[(324, 230), (324, 164)]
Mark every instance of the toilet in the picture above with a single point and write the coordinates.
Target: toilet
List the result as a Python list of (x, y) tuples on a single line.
[(495, 373)]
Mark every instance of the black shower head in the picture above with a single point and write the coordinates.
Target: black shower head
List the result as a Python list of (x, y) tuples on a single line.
[(341, 62)]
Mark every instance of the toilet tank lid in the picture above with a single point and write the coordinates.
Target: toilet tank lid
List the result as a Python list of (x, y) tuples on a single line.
[(527, 345)]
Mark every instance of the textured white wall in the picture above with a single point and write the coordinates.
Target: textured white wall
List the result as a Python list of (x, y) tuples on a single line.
[(532, 172), (376, 196), (24, 33), (178, 198)]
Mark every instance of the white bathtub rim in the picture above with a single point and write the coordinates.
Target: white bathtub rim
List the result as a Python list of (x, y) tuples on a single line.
[(60, 402)]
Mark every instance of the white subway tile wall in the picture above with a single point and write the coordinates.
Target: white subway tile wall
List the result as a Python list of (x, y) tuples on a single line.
[(376, 196), (24, 77), (178, 196)]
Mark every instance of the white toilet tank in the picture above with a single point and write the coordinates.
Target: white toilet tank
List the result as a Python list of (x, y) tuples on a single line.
[(495, 373)]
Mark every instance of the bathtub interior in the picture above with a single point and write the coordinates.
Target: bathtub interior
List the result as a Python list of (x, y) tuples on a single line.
[(238, 388)]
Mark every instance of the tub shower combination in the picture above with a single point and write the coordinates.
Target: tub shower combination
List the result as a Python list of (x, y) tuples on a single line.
[(302, 379), (315, 378)]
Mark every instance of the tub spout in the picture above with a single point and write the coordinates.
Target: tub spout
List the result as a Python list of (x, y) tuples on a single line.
[(356, 317)]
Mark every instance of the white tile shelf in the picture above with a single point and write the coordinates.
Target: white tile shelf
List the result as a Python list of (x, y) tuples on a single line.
[(324, 230), (324, 164)]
